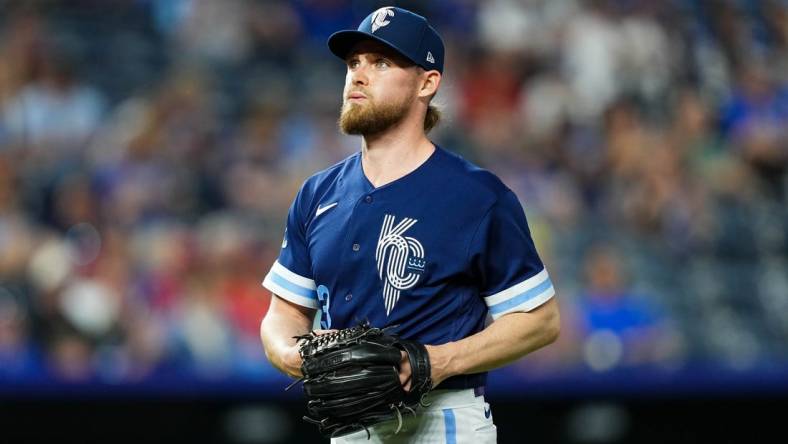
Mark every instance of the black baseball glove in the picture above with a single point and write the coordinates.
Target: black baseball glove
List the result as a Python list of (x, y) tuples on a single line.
[(351, 378)]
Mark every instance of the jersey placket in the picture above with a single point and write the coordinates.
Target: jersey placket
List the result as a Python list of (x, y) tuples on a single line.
[(357, 274)]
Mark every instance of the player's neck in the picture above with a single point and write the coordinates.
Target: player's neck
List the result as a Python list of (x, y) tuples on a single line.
[(389, 156)]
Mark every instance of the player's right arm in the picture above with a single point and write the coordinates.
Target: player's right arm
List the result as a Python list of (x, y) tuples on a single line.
[(294, 301), (281, 324)]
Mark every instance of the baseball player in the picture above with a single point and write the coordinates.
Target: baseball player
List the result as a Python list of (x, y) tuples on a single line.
[(405, 233)]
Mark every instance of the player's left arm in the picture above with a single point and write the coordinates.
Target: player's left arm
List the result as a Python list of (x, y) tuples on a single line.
[(509, 338), (518, 292)]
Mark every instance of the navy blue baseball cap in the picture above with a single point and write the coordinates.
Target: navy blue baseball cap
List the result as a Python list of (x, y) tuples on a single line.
[(407, 33)]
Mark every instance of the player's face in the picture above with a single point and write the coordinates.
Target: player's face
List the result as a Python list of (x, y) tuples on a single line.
[(380, 89)]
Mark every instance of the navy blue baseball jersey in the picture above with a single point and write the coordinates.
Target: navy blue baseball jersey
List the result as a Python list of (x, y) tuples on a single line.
[(433, 253)]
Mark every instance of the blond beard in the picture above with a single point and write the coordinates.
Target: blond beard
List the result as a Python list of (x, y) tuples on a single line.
[(370, 118)]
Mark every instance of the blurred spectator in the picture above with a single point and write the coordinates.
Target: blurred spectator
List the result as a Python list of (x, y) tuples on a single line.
[(57, 111), (622, 328), (229, 21), (756, 118), (591, 56), (18, 352)]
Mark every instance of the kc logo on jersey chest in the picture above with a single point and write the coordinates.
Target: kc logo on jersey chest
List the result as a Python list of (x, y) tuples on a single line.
[(400, 259)]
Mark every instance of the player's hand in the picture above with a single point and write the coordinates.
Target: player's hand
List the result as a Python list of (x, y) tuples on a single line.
[(293, 359), (405, 372)]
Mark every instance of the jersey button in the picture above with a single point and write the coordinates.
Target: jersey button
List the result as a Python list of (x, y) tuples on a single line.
[(356, 247), (368, 199), (349, 296)]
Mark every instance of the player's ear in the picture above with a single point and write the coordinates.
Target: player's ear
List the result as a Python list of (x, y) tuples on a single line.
[(429, 82)]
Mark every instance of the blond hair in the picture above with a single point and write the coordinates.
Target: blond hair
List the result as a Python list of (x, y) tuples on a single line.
[(431, 118)]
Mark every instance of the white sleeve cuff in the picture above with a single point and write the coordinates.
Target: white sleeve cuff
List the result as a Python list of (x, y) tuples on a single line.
[(524, 296), (291, 286)]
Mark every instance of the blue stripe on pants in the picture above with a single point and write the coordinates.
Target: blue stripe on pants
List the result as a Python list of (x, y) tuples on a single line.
[(450, 426)]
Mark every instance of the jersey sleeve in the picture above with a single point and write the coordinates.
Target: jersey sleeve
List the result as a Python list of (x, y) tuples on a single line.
[(291, 275), (510, 273)]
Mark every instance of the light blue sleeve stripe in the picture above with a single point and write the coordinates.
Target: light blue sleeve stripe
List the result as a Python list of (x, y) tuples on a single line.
[(297, 289), (450, 426), (520, 298)]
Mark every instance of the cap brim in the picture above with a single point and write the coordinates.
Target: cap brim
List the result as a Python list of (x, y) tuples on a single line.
[(341, 42)]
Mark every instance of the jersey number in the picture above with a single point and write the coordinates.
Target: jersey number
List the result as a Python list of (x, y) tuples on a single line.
[(322, 296)]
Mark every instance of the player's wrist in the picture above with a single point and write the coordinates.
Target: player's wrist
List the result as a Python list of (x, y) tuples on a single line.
[(292, 361), (441, 362)]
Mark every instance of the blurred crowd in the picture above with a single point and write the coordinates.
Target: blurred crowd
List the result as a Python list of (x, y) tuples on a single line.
[(149, 151)]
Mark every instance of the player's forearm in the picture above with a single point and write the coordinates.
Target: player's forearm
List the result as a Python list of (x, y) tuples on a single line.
[(278, 331), (509, 338)]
